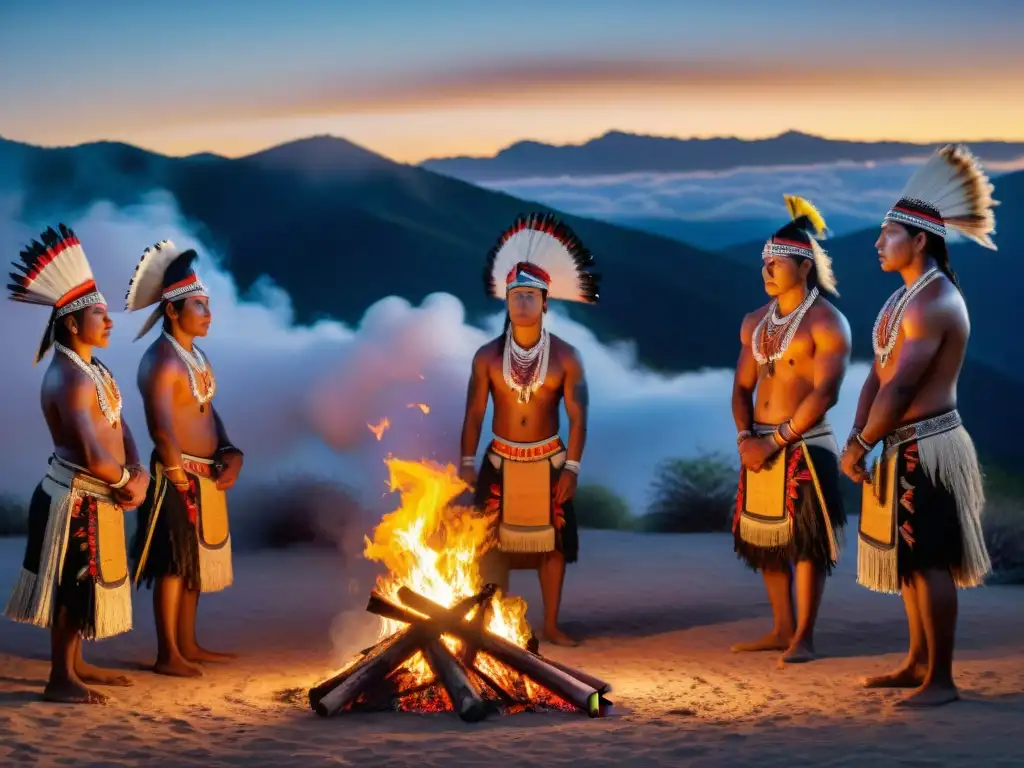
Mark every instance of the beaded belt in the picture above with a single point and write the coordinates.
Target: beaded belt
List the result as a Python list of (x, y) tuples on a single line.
[(197, 466), (919, 430), (542, 449), (74, 477), (821, 429)]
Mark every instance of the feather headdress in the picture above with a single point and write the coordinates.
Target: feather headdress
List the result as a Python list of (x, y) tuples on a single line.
[(54, 273), (539, 251), (949, 190), (163, 274), (799, 239)]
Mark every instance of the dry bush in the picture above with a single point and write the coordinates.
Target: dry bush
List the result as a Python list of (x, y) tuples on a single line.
[(1003, 525), (13, 517), (692, 496)]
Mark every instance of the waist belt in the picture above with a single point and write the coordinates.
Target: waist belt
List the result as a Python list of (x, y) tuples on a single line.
[(542, 449), (74, 477), (197, 466), (919, 430), (821, 429)]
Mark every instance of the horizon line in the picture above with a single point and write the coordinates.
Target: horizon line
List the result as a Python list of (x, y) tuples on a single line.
[(525, 140)]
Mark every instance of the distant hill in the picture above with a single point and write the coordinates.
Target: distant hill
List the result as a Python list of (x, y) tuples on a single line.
[(325, 212), (339, 227), (720, 234), (617, 153)]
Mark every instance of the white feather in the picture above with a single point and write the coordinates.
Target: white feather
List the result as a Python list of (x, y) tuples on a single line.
[(146, 287), (548, 253)]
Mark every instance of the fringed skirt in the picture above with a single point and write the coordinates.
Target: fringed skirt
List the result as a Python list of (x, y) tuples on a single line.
[(516, 484), (184, 534), (923, 510), (792, 510), (75, 561)]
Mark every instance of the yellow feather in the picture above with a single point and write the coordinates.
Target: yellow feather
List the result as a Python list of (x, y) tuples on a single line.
[(798, 207)]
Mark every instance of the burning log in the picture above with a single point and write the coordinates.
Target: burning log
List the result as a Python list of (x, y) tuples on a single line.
[(563, 685), (465, 697), (427, 623)]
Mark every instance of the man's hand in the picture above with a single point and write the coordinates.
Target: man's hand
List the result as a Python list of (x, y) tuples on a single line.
[(231, 462), (134, 492), (852, 462), (565, 489), (756, 451), (467, 474)]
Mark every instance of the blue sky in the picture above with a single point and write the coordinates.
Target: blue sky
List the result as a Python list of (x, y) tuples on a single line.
[(419, 79)]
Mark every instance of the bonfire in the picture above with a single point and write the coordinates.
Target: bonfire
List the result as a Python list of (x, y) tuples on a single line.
[(447, 642)]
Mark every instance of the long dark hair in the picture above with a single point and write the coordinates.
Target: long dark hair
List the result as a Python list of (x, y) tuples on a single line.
[(935, 247)]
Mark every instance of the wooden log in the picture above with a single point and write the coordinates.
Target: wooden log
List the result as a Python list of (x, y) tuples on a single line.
[(317, 692), (369, 671), (579, 694), (596, 683), (469, 705), (425, 628)]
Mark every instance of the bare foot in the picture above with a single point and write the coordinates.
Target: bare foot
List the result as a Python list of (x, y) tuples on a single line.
[(179, 667), (198, 655), (907, 676), (798, 653), (87, 673), (931, 695), (770, 642), (555, 636), (72, 692)]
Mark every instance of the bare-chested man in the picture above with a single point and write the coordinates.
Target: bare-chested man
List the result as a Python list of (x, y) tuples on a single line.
[(183, 543), (920, 527), (789, 511), (74, 576), (528, 476)]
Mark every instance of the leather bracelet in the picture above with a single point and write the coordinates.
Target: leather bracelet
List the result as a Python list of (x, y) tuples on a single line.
[(126, 476)]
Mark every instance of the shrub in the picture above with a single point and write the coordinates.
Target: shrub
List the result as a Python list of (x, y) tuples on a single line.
[(1003, 526), (13, 517), (692, 496), (600, 507)]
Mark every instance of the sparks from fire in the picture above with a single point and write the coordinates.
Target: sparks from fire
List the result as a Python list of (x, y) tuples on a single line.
[(379, 428), (422, 406)]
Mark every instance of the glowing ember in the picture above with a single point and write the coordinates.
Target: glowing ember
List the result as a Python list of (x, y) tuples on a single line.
[(422, 406), (380, 428)]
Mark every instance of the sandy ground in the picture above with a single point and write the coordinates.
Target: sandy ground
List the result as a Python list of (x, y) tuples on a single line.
[(658, 614)]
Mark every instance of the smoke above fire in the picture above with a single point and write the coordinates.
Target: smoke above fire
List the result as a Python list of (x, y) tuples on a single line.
[(331, 402)]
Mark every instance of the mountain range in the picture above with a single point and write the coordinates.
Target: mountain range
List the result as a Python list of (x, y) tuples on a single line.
[(325, 212), (617, 152)]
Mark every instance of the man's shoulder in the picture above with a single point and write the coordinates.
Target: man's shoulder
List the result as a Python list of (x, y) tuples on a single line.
[(751, 319), (562, 347), (826, 314), (489, 351), (938, 301), (159, 359)]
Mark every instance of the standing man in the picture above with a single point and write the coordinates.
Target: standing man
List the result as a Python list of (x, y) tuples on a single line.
[(528, 476), (74, 576), (789, 511), (920, 526), (183, 542)]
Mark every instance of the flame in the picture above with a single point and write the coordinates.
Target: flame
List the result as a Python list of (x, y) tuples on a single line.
[(433, 547), (422, 406), (380, 427)]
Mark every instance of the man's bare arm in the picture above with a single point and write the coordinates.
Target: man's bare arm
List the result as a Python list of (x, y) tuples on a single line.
[(923, 328), (745, 381), (131, 450), (832, 345), (476, 403), (868, 393), (576, 397), (223, 441), (77, 409), (158, 393)]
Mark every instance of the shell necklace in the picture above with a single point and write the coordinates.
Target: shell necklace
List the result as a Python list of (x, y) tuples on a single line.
[(887, 324), (198, 368), (773, 334), (102, 379), (526, 369)]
